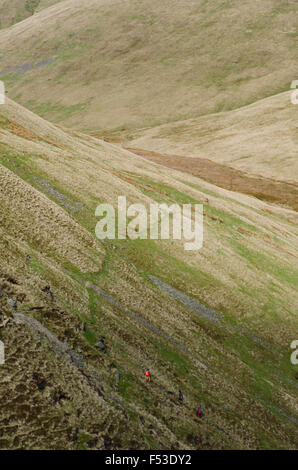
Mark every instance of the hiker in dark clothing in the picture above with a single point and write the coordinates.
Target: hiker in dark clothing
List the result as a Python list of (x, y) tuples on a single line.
[(180, 398), (48, 291)]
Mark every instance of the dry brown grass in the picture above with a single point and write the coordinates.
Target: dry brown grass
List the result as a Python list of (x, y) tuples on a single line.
[(226, 177), (124, 66), (223, 275), (259, 139), (139, 63), (91, 169), (14, 11), (29, 215)]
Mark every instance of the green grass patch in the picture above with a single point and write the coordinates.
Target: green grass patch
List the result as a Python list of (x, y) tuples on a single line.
[(4, 121), (272, 266), (83, 439), (23, 165), (31, 5), (55, 111), (165, 193)]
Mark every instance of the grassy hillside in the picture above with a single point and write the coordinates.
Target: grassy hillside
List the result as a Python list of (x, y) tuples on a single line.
[(14, 11), (102, 65), (259, 139), (70, 290)]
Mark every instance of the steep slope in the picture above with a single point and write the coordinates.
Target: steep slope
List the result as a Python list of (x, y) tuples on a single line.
[(106, 64), (147, 298), (259, 139), (14, 11)]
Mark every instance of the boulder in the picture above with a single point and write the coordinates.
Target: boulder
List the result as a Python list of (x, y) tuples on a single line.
[(12, 304), (100, 345)]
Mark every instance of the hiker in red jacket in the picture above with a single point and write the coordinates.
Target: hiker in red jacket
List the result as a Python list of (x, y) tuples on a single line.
[(199, 412), (148, 375)]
